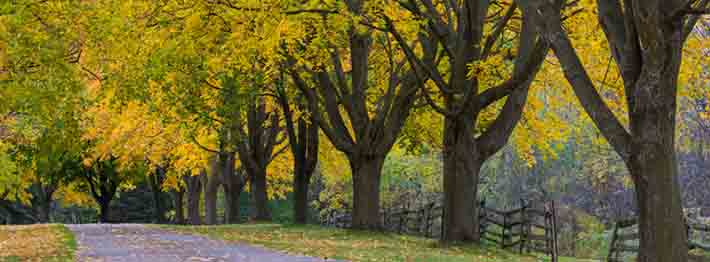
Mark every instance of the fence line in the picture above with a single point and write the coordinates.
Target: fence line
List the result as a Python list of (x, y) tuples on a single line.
[(527, 228), (530, 229)]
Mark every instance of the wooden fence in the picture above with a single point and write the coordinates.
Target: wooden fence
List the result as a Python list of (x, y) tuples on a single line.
[(425, 221), (623, 233), (694, 229), (625, 238), (525, 229)]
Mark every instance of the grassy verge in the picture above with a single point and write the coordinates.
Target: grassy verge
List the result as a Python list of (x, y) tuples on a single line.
[(348, 244), (53, 243)]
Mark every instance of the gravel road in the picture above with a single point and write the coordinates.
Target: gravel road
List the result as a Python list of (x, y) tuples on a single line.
[(134, 242)]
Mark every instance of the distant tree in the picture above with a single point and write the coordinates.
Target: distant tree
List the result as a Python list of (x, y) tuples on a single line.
[(102, 179)]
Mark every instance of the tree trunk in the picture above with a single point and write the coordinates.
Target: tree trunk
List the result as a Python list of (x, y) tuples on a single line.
[(179, 209), (211, 189), (461, 177), (234, 183), (194, 188), (260, 196), (156, 181), (45, 208), (232, 193), (158, 206), (42, 201), (104, 210), (211, 183), (300, 190), (304, 148), (653, 166), (366, 172), (662, 231)]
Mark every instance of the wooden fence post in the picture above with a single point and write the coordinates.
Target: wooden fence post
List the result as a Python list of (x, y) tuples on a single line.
[(482, 227), (548, 226), (442, 224), (689, 236), (421, 222), (504, 235), (427, 225), (523, 226), (403, 217), (612, 244), (555, 250)]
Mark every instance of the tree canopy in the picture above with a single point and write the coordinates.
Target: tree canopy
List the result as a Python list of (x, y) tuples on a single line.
[(359, 102)]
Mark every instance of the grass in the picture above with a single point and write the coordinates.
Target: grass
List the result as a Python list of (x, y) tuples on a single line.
[(46, 242), (349, 244)]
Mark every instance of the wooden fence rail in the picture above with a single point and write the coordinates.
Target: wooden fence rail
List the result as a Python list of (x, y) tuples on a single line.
[(525, 229)]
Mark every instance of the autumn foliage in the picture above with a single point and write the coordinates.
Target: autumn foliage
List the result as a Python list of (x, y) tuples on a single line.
[(273, 97)]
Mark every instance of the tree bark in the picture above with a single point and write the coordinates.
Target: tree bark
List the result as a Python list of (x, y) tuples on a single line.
[(179, 208), (156, 182), (45, 208), (461, 177), (43, 201), (194, 188), (232, 193), (654, 169), (367, 172), (662, 231), (300, 192), (211, 183), (259, 194), (211, 188), (234, 182), (104, 210)]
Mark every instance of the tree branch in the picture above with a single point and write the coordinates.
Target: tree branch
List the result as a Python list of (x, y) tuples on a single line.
[(415, 62), (341, 135), (194, 140), (550, 26), (530, 58), (693, 20), (611, 18), (524, 73), (498, 31)]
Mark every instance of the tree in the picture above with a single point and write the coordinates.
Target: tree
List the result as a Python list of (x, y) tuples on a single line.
[(103, 180), (364, 92), (43, 148), (256, 149), (50, 171), (135, 140), (40, 85), (646, 42), (303, 138), (155, 181), (235, 179), (203, 72), (469, 47), (194, 187)]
